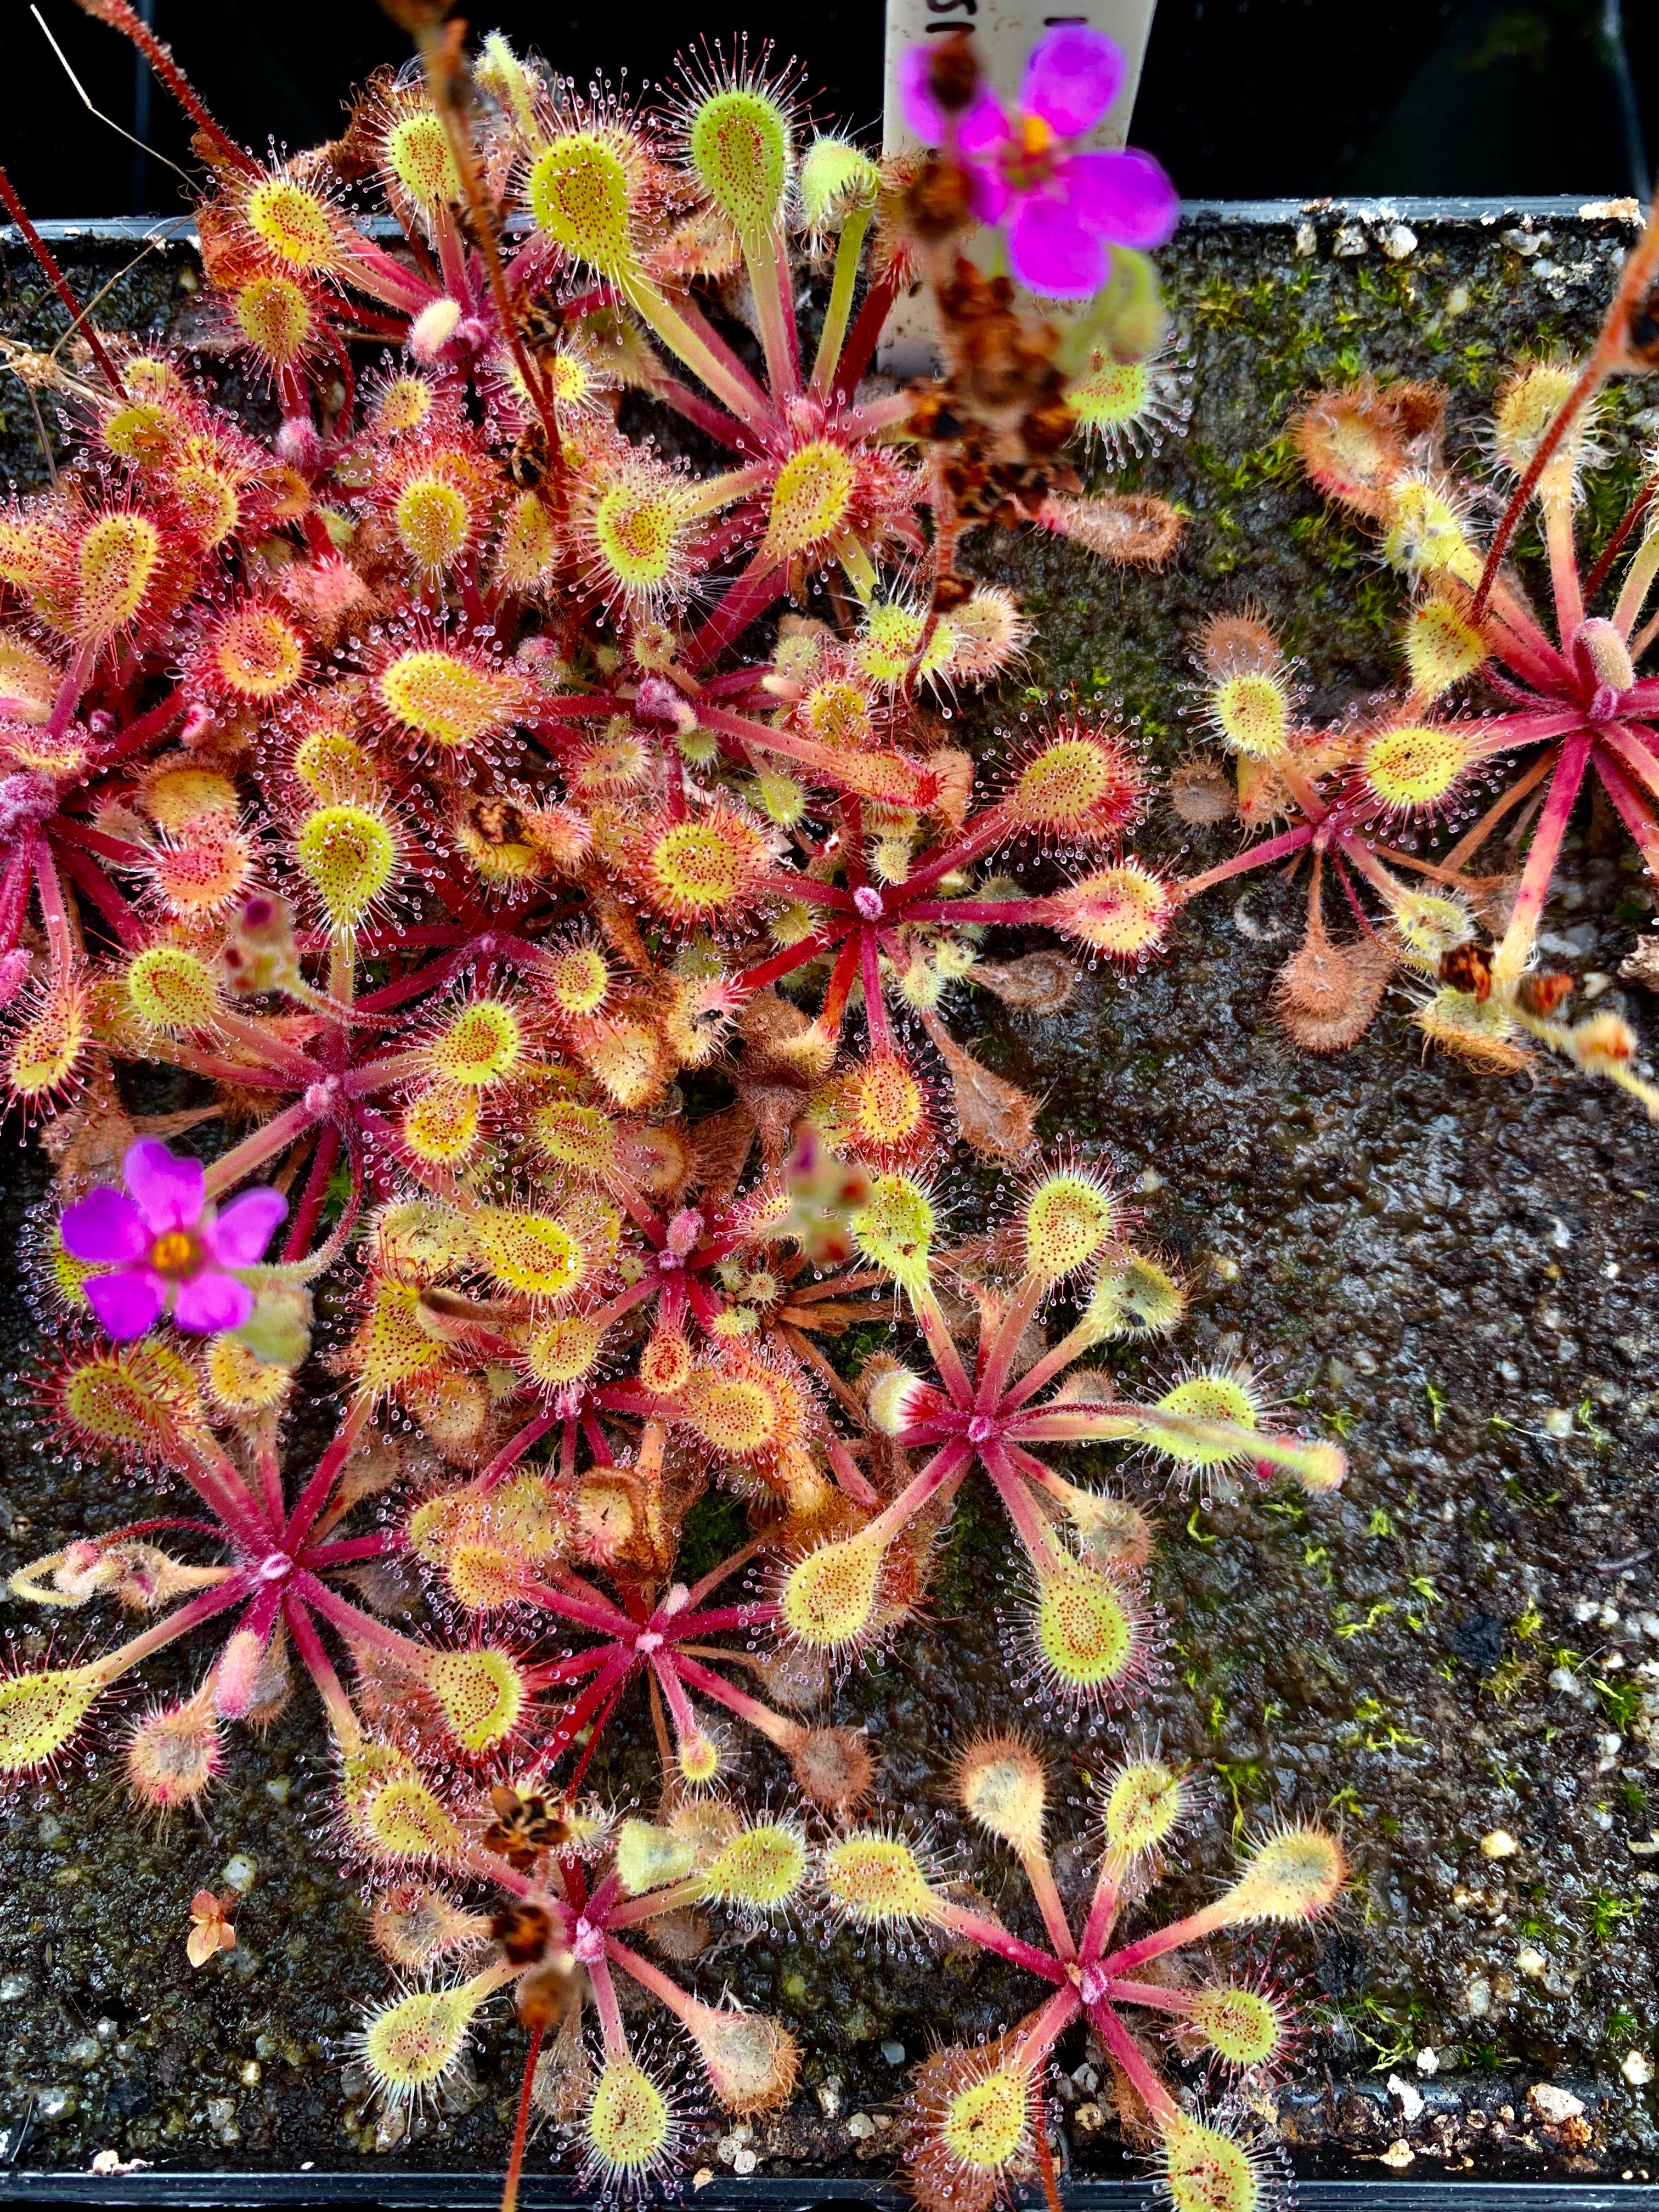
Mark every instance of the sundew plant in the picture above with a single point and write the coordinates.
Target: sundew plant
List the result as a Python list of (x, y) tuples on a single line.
[(507, 785)]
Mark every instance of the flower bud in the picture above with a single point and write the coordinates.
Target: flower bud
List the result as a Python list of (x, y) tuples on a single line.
[(433, 328)]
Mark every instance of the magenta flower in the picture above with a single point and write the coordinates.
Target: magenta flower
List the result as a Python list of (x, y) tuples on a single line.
[(1060, 206), (166, 1247)]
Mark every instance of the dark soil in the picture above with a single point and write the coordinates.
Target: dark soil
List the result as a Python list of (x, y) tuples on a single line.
[(1454, 1274)]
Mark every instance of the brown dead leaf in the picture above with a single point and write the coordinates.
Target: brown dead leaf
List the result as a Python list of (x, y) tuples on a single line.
[(1200, 793), (720, 1145), (1038, 983), (1327, 994), (997, 1119)]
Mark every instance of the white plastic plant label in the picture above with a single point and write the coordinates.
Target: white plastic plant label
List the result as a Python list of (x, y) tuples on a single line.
[(1004, 32)]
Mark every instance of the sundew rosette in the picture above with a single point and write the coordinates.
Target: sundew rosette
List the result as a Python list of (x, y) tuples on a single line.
[(971, 2110), (270, 1580), (620, 2096), (1084, 1628)]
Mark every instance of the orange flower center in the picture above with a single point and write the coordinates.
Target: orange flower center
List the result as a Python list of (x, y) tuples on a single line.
[(1033, 158), (174, 1254)]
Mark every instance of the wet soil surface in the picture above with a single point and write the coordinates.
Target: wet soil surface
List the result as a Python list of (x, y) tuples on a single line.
[(1457, 1658)]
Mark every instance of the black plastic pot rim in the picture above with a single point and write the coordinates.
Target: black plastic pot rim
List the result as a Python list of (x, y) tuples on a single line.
[(1266, 215), (395, 2189)]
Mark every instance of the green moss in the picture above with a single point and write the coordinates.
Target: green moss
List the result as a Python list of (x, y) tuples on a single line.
[(713, 1529)]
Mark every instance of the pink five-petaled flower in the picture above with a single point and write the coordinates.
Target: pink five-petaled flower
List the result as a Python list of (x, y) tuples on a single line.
[(168, 1246), (210, 1930), (1060, 206)]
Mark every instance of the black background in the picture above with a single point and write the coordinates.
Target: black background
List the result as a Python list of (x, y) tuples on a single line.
[(1241, 98)]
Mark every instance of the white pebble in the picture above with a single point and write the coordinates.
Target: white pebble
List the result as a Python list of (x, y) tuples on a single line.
[(1410, 2096), (1554, 2105)]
